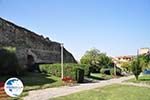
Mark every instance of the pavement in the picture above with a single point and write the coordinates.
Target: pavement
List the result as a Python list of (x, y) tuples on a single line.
[(46, 94)]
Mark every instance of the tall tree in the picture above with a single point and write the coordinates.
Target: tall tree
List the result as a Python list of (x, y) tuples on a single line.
[(136, 66), (96, 59)]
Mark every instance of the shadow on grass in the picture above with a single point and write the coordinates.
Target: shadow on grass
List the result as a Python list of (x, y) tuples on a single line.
[(144, 79), (36, 79), (32, 79)]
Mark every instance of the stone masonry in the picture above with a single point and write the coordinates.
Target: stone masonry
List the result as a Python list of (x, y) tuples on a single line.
[(31, 47)]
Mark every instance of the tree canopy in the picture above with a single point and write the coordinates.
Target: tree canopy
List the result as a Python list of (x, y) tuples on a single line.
[(145, 60), (96, 59), (136, 66)]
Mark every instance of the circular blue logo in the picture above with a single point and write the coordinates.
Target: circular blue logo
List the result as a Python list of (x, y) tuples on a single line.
[(13, 87)]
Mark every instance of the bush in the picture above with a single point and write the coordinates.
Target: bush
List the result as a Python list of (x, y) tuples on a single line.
[(110, 71), (118, 71), (95, 69), (86, 69), (69, 69), (8, 62), (105, 71)]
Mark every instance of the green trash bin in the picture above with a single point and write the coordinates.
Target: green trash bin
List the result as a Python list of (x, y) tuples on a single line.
[(80, 75)]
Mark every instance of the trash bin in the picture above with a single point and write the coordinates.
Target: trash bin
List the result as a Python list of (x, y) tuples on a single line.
[(80, 75)]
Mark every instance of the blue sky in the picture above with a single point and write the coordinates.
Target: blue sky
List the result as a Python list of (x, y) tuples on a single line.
[(117, 27)]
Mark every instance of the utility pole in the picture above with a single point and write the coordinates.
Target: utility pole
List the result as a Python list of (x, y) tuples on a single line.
[(62, 70)]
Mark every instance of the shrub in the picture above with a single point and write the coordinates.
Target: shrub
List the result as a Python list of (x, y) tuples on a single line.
[(110, 71), (8, 62), (69, 69), (118, 71), (86, 69), (105, 71)]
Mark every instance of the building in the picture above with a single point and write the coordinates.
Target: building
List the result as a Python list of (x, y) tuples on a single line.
[(143, 51), (124, 58), (120, 59)]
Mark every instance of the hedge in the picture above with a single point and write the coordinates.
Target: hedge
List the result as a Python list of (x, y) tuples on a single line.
[(105, 71), (69, 69), (118, 71)]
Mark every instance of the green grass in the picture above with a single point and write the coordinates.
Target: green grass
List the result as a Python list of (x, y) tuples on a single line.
[(34, 81), (99, 76), (112, 92), (145, 79)]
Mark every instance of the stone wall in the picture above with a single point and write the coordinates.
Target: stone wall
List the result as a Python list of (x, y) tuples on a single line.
[(27, 43)]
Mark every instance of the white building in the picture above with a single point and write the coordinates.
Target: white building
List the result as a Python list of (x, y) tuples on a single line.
[(143, 51)]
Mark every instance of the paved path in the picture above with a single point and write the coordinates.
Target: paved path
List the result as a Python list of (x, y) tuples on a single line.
[(48, 93)]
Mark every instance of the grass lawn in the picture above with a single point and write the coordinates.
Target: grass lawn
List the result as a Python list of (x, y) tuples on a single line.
[(145, 79), (33, 81), (112, 92), (99, 76)]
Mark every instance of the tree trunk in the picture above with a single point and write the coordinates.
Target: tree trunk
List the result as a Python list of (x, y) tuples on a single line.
[(137, 77)]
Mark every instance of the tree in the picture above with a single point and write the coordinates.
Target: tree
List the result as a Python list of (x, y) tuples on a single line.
[(136, 66), (96, 59), (90, 57), (126, 66), (145, 59)]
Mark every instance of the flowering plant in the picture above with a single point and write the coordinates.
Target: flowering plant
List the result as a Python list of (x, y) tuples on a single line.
[(67, 79)]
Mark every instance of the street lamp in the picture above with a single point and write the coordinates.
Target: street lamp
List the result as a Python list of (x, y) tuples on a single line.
[(62, 70)]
